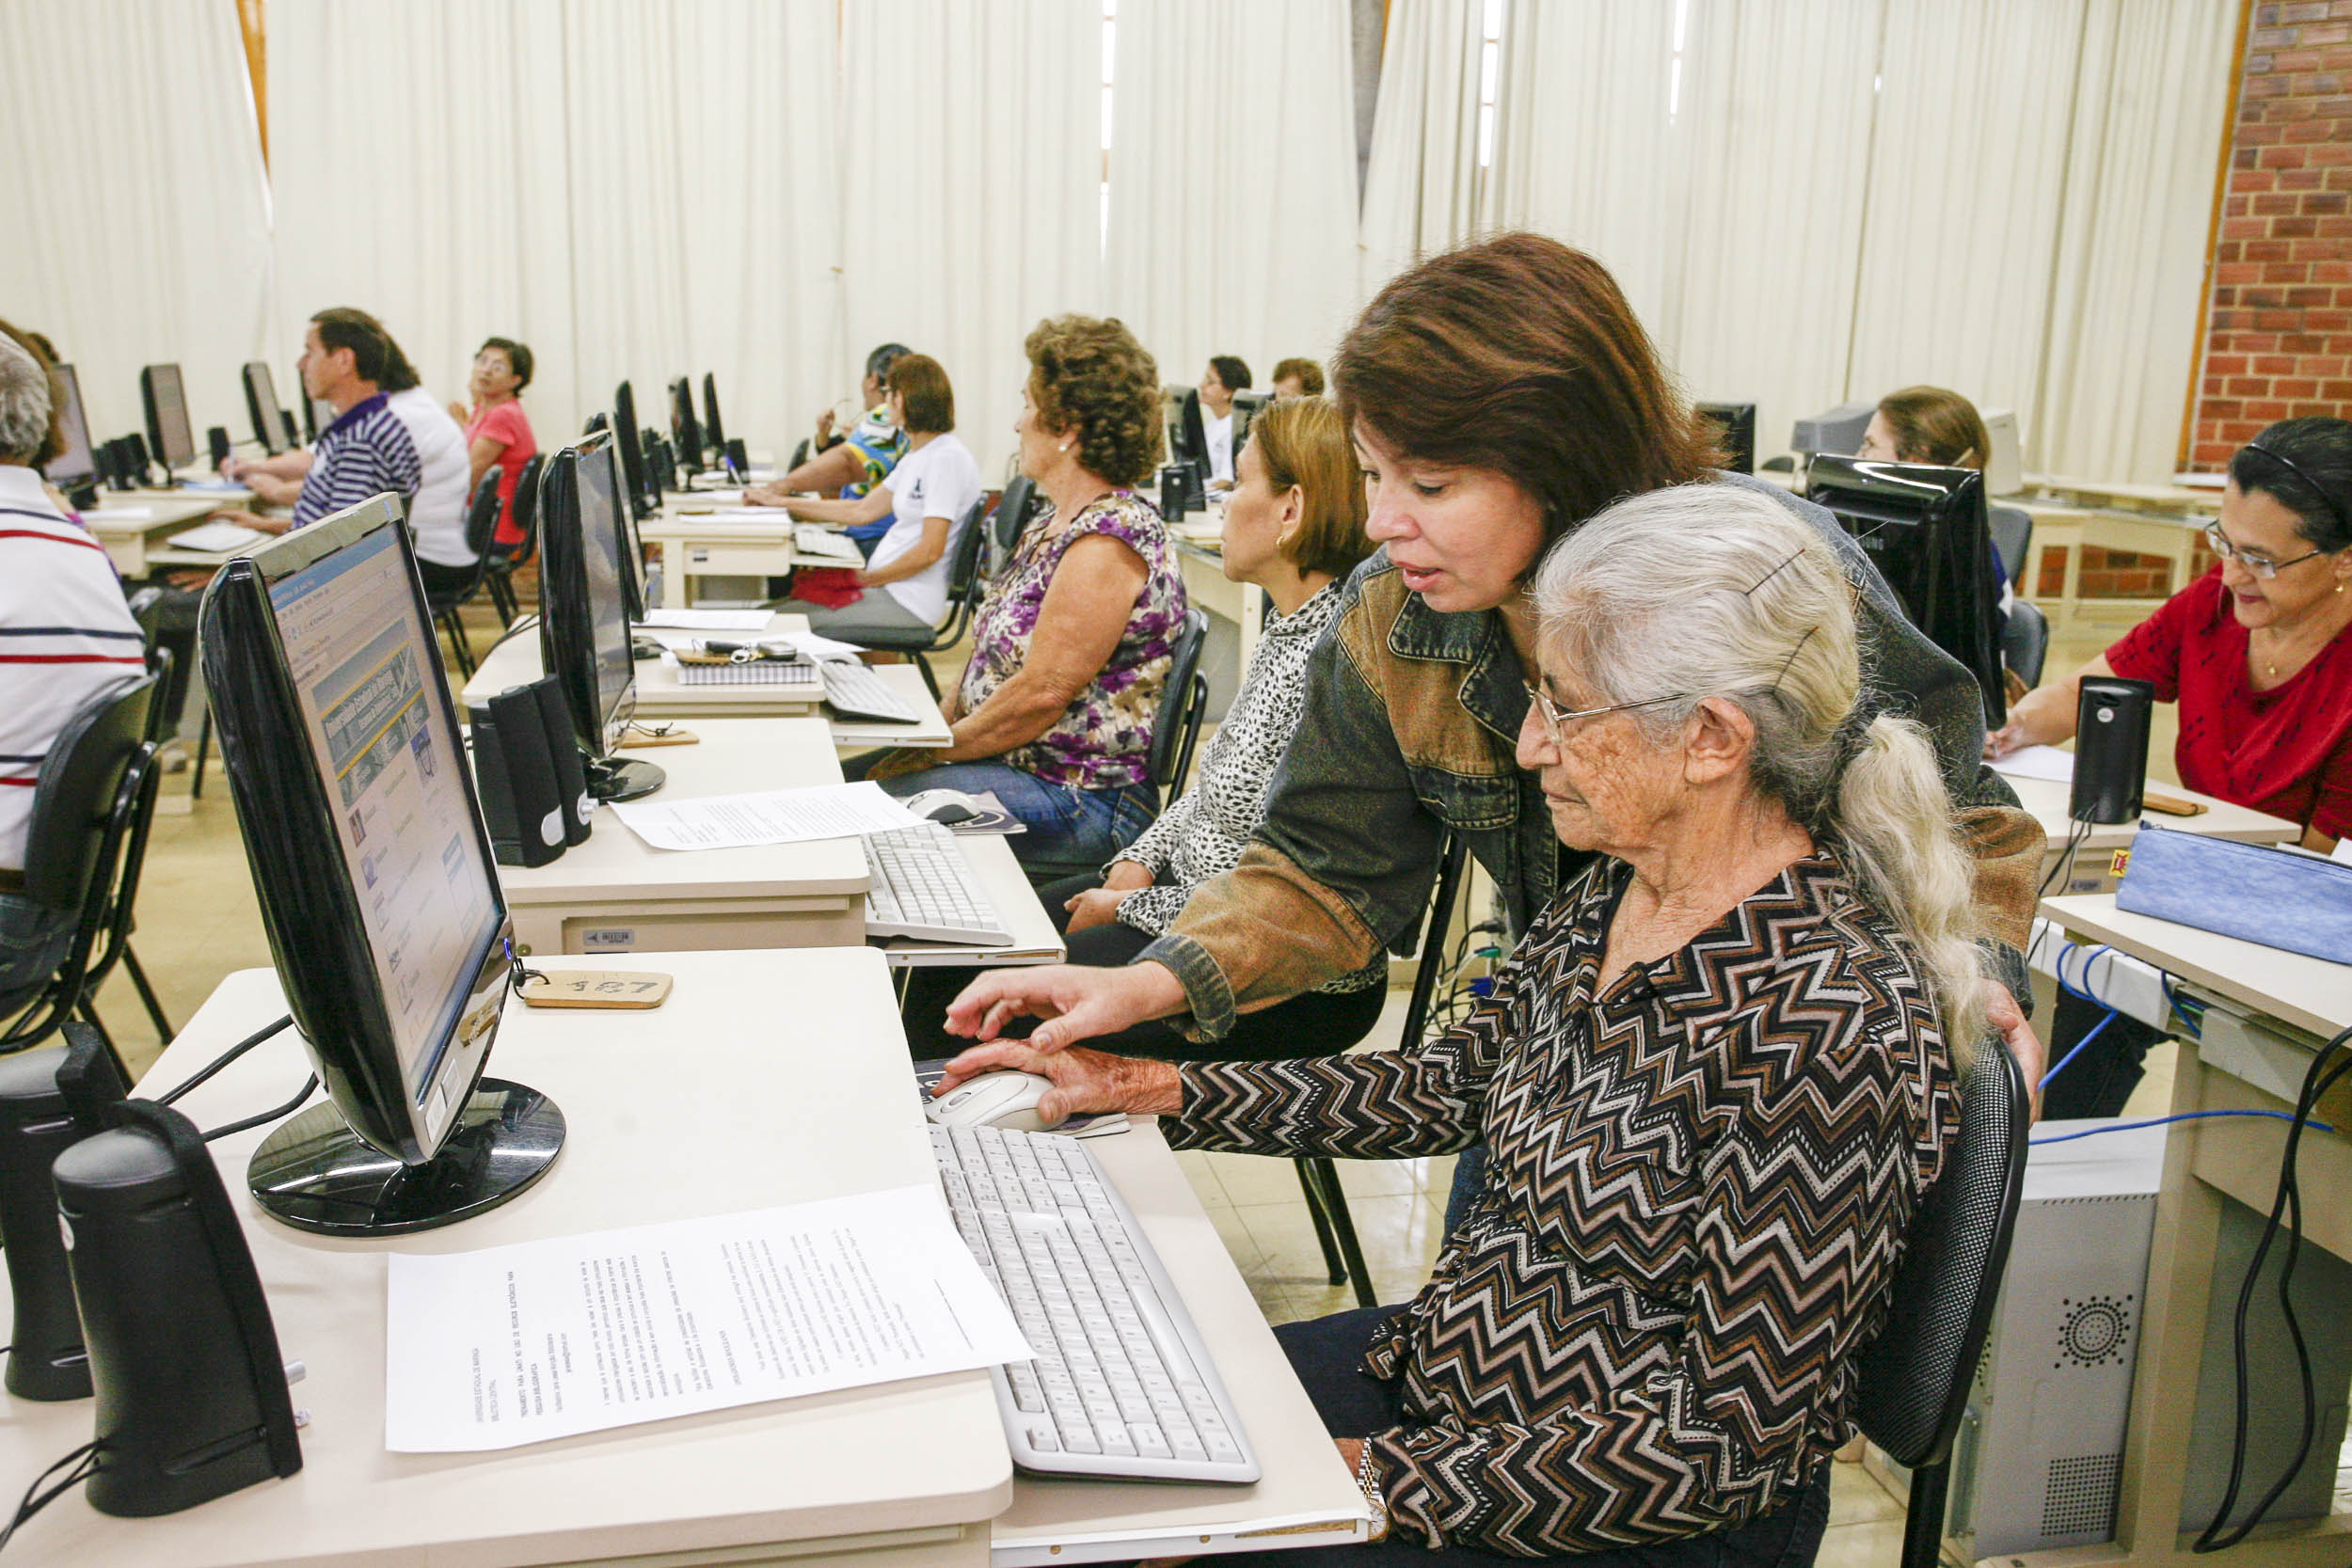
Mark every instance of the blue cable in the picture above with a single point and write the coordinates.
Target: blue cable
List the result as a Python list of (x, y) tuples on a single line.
[(2185, 1116), (2094, 1033)]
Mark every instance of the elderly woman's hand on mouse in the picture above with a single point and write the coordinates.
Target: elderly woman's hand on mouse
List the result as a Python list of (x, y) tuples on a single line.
[(1085, 1081)]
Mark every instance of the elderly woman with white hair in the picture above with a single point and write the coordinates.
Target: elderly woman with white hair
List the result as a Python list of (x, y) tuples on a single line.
[(1714, 1079)]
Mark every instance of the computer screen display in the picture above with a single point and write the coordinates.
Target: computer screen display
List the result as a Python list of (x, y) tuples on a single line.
[(76, 465), (632, 558), (166, 400), (685, 428), (368, 681), (714, 433), (633, 452), (260, 405)]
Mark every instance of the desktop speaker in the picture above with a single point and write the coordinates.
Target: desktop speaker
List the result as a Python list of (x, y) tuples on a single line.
[(49, 1102), (571, 773), (739, 457), (293, 436), (135, 446), (521, 805), (192, 1399), (216, 442), (1172, 493), (2110, 748), (113, 459)]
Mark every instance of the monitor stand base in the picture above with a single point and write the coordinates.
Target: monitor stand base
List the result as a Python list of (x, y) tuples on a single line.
[(315, 1173), (612, 779)]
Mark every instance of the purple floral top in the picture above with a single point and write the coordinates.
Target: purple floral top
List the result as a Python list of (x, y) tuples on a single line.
[(1103, 739)]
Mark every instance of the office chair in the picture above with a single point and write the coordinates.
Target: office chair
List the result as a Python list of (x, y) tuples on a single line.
[(1915, 1377), (1327, 1203), (963, 600), (2011, 528), (500, 566), (481, 516), (84, 848), (2026, 642), (1011, 520), (1183, 706)]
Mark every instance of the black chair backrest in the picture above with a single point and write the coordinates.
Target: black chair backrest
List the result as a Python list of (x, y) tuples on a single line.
[(1915, 1376), (523, 510), (1452, 861), (2026, 642), (2011, 528), (482, 511), (74, 796), (963, 560), (1168, 740), (1012, 514)]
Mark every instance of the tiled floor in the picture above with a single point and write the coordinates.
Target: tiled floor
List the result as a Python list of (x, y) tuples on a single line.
[(198, 922)]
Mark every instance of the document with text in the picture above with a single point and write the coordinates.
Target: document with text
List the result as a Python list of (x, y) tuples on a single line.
[(767, 816), (519, 1344)]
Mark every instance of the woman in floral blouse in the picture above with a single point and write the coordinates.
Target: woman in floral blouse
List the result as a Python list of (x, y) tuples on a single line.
[(1071, 648), (1714, 1081)]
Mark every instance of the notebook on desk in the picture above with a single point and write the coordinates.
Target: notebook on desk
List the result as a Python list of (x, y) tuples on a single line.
[(759, 671)]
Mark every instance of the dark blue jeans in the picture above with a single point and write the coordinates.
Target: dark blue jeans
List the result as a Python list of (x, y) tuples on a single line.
[(1069, 829), (1328, 1352)]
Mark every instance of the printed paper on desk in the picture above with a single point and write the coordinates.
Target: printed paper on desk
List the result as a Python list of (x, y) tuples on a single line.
[(519, 1344), (821, 648), (2037, 762), (769, 817), (708, 619)]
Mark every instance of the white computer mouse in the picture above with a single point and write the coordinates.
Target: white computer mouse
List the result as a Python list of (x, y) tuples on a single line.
[(1003, 1098)]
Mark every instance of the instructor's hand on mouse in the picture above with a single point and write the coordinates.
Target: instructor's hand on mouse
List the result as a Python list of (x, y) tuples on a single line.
[(1077, 1003), (1085, 1081)]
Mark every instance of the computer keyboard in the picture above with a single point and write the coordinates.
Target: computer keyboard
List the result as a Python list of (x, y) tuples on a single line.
[(758, 672), (1122, 1385), (854, 691), (922, 886), (812, 540)]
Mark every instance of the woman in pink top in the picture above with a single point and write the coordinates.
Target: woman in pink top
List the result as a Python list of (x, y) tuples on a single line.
[(497, 431)]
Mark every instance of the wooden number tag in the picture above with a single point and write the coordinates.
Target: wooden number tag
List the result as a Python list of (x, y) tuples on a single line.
[(626, 989), (2169, 804), (668, 735)]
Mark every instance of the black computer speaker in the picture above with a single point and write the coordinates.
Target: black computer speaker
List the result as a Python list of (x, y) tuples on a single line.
[(49, 1102), (571, 772), (136, 445), (192, 1400), (522, 803), (293, 431), (1171, 492), (2110, 748), (216, 441), (739, 457)]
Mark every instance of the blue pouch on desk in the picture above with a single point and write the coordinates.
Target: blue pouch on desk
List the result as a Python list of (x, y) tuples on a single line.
[(2300, 903)]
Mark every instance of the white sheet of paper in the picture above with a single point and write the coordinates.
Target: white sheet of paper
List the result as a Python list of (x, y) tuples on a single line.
[(2342, 851), (718, 497), (708, 620), (821, 648), (766, 816), (125, 514), (2037, 762), (519, 1344)]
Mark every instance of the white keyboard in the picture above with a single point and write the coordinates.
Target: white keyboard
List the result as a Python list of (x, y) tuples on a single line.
[(855, 691), (1122, 1385), (219, 538), (758, 672), (923, 887), (816, 541)]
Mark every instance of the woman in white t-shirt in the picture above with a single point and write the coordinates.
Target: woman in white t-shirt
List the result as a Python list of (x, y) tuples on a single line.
[(934, 484)]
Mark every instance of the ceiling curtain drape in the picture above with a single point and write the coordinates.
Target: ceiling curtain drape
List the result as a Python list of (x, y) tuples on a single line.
[(635, 192), (1234, 205), (971, 191), (1421, 187), (139, 214)]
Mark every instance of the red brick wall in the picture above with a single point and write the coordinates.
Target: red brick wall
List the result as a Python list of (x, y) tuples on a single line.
[(2279, 339)]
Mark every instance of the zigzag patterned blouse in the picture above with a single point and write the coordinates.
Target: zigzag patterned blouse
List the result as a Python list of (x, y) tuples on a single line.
[(1697, 1188)]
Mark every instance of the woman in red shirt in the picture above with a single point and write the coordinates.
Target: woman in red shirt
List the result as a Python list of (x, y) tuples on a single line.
[(2257, 653), (496, 430)]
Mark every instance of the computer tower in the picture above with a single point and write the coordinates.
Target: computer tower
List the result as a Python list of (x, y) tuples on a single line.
[(2040, 1447)]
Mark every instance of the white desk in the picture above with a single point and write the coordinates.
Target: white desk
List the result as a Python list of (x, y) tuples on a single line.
[(2205, 1161), (659, 693), (697, 542), (132, 524), (615, 893), (2094, 860), (2162, 520)]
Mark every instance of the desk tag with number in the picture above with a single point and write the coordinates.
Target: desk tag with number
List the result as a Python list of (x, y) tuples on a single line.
[(668, 735), (630, 988)]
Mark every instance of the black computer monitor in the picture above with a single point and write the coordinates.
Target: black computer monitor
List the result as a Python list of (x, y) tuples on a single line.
[(685, 429), (260, 406), (74, 470), (714, 432), (1924, 528), (376, 884), (1735, 433), (643, 499), (1193, 443), (169, 436), (1246, 407), (583, 613), (631, 542)]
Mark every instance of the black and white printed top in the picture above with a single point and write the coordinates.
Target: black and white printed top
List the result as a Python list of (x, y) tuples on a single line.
[(1204, 833)]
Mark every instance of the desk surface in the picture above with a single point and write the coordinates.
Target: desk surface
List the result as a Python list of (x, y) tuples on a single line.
[(927, 1454), (735, 756), (125, 514), (2309, 993), (659, 694), (2047, 800)]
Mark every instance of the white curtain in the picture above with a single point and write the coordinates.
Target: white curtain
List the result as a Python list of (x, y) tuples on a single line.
[(137, 227), (1421, 189), (636, 192), (972, 191), (1233, 220)]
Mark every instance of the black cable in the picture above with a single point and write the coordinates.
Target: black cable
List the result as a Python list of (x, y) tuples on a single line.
[(82, 1460), (309, 1087), (2079, 831), (226, 1057), (2288, 1202)]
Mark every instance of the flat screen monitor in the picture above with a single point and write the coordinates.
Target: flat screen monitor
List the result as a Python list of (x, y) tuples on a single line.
[(375, 875), (1923, 527), (1734, 431), (76, 467), (1192, 436), (169, 436), (260, 406), (714, 432), (1246, 407), (644, 499), (686, 430), (583, 613), (631, 545)]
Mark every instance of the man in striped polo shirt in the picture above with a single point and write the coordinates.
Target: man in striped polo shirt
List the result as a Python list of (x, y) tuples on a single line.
[(66, 640)]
